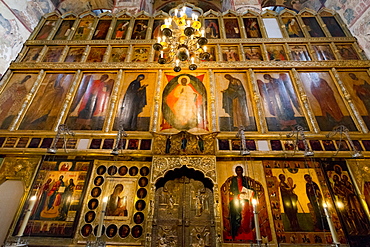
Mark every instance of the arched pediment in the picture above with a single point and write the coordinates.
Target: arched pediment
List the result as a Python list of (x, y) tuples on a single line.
[(52, 16), (326, 12), (269, 13), (204, 164), (142, 15), (123, 14), (87, 15), (106, 15), (160, 14), (287, 13), (230, 13), (211, 13), (307, 12), (69, 14), (250, 13)]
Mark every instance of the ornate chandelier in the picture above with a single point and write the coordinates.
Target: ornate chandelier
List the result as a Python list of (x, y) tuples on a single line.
[(183, 41)]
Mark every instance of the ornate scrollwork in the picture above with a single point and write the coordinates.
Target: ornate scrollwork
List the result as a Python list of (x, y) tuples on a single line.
[(205, 164), (18, 169)]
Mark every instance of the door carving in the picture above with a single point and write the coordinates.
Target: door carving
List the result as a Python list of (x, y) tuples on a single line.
[(184, 214)]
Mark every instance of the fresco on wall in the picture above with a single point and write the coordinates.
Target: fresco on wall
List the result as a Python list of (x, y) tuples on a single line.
[(13, 35), (358, 85), (280, 102), (13, 96), (359, 30), (325, 100), (135, 102), (30, 12), (347, 200), (351, 10), (76, 7), (297, 193), (184, 103), (59, 188), (90, 104), (125, 186), (238, 187), (235, 108), (295, 4), (44, 109)]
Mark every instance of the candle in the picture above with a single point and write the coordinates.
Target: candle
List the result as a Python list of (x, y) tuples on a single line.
[(205, 48), (188, 22), (176, 12), (161, 57), (333, 231), (256, 222), (27, 216), (202, 32), (177, 62), (192, 60), (101, 221), (159, 39)]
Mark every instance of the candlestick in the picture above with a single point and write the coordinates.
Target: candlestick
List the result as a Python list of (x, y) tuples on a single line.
[(256, 222), (27, 216), (333, 231), (101, 221), (202, 32)]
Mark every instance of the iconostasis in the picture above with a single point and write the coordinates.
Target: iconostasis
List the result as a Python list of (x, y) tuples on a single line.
[(267, 72)]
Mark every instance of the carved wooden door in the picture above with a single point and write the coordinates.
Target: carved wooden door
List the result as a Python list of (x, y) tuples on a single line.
[(184, 214)]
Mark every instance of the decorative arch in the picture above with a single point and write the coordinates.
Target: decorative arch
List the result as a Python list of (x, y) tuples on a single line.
[(204, 164)]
